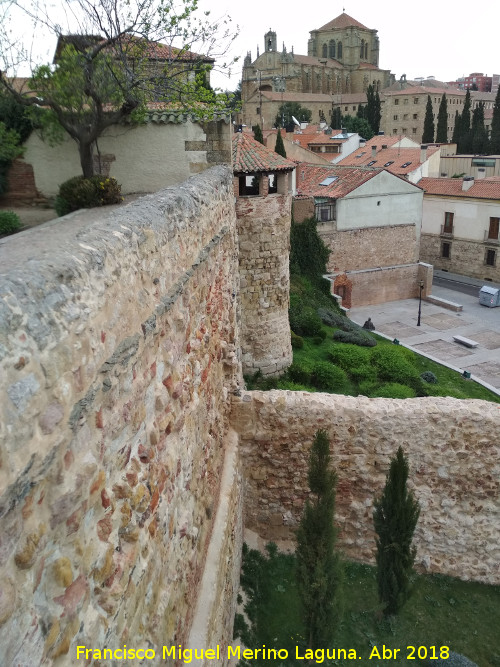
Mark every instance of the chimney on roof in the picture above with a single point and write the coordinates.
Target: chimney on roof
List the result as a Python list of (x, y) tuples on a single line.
[(343, 130), (481, 173), (374, 151), (423, 154), (467, 183)]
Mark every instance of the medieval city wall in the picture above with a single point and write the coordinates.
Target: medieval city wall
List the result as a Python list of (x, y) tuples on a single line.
[(454, 459), (118, 352)]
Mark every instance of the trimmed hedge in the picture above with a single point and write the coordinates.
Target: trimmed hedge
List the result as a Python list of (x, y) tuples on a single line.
[(328, 377), (393, 367), (354, 337), (347, 355)]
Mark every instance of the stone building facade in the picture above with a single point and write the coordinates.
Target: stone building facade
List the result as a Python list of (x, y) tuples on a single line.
[(342, 57), (461, 226)]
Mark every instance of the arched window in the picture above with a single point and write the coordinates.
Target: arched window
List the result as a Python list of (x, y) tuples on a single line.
[(332, 48), (339, 50), (362, 49), (366, 51), (325, 51)]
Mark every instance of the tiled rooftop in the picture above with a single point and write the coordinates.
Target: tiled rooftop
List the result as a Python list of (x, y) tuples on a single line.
[(251, 156), (343, 21), (310, 176), (484, 188), (396, 156)]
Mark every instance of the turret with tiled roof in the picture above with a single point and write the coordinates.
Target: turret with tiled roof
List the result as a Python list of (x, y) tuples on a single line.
[(250, 156)]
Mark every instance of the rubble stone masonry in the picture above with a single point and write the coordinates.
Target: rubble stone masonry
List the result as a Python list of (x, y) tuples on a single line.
[(454, 459), (118, 350)]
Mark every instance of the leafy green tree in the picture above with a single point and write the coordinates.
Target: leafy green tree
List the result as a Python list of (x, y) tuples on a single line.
[(428, 135), (361, 112), (289, 109), (395, 517), (478, 130), (9, 149), (495, 127), (319, 569), (257, 134), (359, 125), (373, 112), (280, 146), (336, 119), (442, 122), (97, 81)]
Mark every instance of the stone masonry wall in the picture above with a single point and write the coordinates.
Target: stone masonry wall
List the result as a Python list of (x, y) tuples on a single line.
[(264, 243), (378, 246), (454, 458), (118, 350), (466, 257)]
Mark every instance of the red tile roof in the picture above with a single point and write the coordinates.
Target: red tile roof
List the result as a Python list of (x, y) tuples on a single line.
[(422, 90), (397, 156), (484, 188), (296, 97), (310, 176), (313, 60), (343, 21), (251, 156)]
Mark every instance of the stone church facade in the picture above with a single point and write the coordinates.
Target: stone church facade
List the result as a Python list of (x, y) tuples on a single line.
[(342, 58)]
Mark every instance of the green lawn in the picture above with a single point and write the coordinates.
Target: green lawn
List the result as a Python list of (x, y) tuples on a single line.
[(442, 611)]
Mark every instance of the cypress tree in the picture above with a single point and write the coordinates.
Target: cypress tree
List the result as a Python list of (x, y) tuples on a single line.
[(280, 146), (465, 141), (442, 122), (373, 108), (257, 134), (319, 571), (336, 119), (395, 517), (428, 135), (495, 127), (478, 131), (456, 129)]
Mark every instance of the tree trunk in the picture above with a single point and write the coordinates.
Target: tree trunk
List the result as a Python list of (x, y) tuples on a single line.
[(86, 158)]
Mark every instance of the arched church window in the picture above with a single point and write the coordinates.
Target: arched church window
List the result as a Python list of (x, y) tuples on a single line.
[(366, 51), (339, 50), (362, 49), (325, 51), (332, 48)]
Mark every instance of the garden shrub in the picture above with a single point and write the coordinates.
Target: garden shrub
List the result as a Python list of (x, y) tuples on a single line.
[(292, 386), (392, 365), (317, 340), (354, 337), (393, 390), (363, 373), (304, 321), (347, 355), (330, 318), (79, 192), (428, 376), (328, 377), (367, 387), (299, 372), (9, 222), (297, 341)]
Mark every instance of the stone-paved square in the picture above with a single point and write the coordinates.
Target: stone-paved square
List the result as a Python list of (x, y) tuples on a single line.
[(442, 321), (489, 371), (442, 349), (399, 330), (488, 339)]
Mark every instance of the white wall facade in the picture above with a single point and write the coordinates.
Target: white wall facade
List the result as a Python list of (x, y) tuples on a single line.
[(471, 216)]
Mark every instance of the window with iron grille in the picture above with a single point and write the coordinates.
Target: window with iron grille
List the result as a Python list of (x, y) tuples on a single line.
[(490, 257), (446, 250)]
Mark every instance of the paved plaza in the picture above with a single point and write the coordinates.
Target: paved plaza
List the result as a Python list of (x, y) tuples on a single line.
[(434, 337)]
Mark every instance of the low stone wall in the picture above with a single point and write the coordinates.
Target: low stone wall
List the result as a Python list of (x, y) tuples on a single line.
[(454, 458), (390, 283), (118, 350)]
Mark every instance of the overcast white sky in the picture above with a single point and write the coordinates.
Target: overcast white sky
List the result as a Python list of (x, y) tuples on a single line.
[(443, 38)]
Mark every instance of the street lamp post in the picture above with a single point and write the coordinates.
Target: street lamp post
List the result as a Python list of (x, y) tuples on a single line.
[(421, 285)]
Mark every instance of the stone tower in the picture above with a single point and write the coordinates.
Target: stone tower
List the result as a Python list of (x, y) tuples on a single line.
[(263, 209), (270, 41)]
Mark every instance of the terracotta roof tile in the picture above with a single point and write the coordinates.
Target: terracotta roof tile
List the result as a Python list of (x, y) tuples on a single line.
[(313, 60), (484, 188), (410, 157), (421, 90), (297, 97), (251, 156), (343, 21), (310, 176)]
